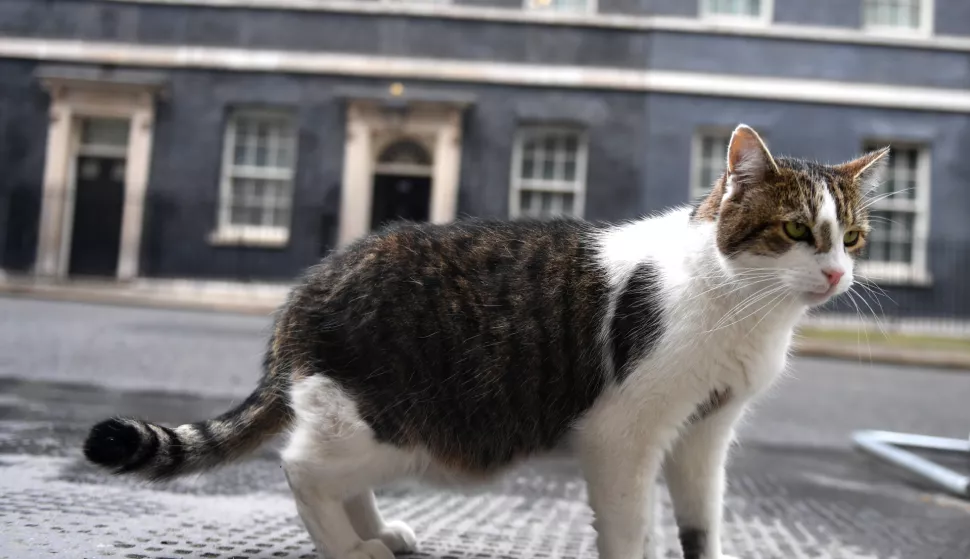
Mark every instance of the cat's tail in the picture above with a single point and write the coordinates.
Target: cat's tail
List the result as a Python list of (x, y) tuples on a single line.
[(157, 453)]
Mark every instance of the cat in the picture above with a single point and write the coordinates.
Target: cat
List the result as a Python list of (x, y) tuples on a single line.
[(449, 352)]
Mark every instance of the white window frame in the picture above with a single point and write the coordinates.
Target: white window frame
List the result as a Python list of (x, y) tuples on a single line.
[(537, 6), (696, 190), (917, 271), (925, 27), (227, 233), (764, 17), (431, 2), (576, 188)]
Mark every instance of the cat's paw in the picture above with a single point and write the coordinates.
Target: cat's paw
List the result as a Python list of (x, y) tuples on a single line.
[(370, 549), (399, 537)]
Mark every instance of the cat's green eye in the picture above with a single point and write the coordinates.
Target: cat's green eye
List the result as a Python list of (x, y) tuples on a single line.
[(797, 231), (851, 238)]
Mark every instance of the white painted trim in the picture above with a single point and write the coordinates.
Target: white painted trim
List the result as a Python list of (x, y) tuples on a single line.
[(567, 77), (764, 17), (254, 236), (369, 132), (71, 102), (782, 31)]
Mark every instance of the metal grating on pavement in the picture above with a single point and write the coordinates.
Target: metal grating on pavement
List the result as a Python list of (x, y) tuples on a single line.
[(784, 502), (529, 515)]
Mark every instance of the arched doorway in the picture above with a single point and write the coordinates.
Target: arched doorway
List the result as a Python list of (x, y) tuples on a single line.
[(402, 183)]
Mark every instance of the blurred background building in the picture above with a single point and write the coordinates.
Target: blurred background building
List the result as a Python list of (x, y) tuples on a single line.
[(243, 139)]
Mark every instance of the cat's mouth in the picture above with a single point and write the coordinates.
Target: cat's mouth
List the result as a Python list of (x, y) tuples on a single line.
[(817, 298)]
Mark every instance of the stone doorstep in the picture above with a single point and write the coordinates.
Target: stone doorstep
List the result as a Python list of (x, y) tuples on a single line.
[(264, 298)]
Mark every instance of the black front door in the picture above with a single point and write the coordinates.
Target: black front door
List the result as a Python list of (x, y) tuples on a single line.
[(400, 197), (98, 203)]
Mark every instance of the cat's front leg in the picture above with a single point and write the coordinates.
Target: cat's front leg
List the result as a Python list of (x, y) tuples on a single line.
[(620, 477), (695, 476)]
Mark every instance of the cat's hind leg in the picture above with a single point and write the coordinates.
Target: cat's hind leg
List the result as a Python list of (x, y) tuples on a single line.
[(332, 462)]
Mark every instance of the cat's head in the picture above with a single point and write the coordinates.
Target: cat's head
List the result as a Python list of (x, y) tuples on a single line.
[(790, 224)]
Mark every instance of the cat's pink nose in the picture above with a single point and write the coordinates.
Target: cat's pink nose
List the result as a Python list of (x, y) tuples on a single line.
[(833, 276)]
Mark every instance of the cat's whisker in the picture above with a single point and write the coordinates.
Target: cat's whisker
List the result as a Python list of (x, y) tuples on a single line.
[(752, 313), (875, 317), (741, 305), (735, 289), (873, 286), (773, 307), (876, 296), (881, 197), (860, 326), (747, 303)]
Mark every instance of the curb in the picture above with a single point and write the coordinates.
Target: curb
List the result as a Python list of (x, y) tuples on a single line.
[(945, 360), (133, 299)]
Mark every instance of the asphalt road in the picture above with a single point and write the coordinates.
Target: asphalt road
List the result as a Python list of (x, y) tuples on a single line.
[(202, 353), (797, 489)]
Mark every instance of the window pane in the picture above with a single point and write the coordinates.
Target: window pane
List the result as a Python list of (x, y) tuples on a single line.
[(549, 144), (281, 217), (892, 237), (713, 154), (525, 202), (892, 13), (750, 8), (239, 152), (284, 152), (569, 170), (262, 144), (560, 5), (546, 205), (528, 164), (572, 145), (548, 166), (568, 203), (244, 215), (707, 147), (104, 132), (263, 141)]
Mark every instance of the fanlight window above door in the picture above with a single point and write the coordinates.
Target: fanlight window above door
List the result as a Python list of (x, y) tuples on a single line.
[(405, 152)]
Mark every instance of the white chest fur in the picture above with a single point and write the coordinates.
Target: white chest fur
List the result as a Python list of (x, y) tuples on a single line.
[(716, 334)]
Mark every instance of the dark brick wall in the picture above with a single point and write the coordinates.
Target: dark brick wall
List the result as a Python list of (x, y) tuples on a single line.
[(186, 160), (23, 137), (323, 31)]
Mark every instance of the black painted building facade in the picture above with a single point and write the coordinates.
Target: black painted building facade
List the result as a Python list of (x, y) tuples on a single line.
[(243, 140)]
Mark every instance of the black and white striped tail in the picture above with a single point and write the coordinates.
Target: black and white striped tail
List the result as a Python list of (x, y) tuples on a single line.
[(155, 452)]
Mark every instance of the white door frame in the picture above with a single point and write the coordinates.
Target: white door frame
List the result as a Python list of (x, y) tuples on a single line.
[(369, 129), (72, 101)]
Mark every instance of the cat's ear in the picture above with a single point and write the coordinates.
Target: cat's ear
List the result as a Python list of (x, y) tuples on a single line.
[(868, 170), (748, 158)]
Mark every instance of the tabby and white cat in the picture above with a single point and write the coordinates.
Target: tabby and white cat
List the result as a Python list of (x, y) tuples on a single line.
[(448, 352)]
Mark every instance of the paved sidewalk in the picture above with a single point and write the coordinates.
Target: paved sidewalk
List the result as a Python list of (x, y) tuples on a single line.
[(785, 502), (261, 299), (227, 296)]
